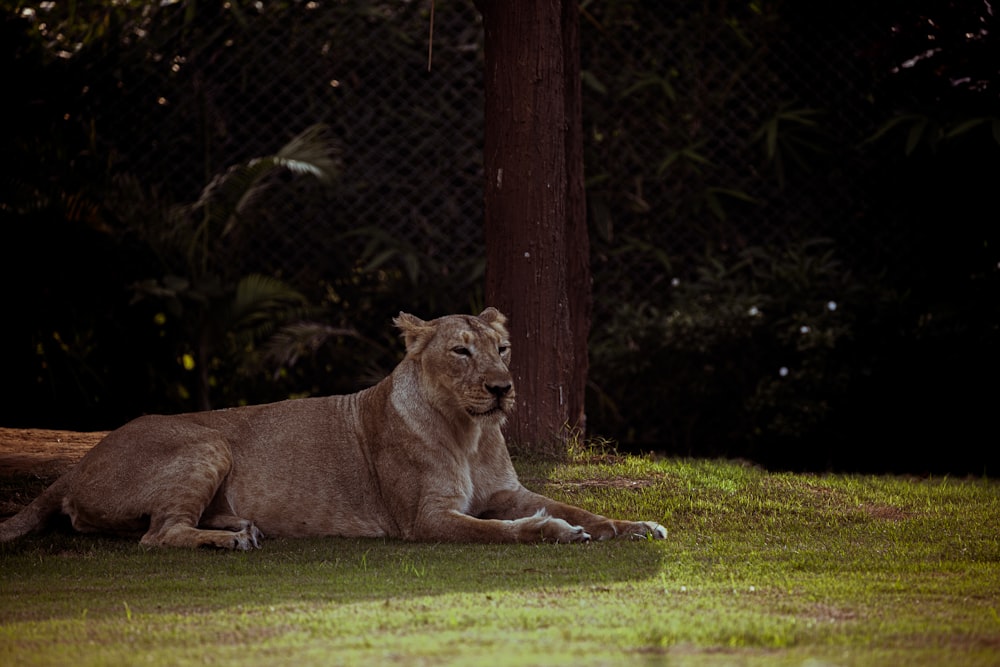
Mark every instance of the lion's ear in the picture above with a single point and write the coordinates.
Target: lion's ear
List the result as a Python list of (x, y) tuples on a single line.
[(493, 316), (416, 332)]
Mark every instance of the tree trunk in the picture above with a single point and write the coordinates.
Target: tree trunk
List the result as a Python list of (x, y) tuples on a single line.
[(537, 265)]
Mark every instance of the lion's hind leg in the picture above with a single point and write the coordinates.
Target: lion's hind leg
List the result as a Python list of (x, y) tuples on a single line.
[(221, 532), (187, 522), (188, 508), (231, 522)]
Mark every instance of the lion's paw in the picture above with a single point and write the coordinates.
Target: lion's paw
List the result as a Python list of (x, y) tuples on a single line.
[(248, 538), (651, 530), (543, 527), (568, 532)]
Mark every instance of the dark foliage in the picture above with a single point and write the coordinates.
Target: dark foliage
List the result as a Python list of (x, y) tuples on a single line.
[(722, 141)]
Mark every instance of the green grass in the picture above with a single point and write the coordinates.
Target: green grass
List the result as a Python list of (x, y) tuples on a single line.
[(759, 569)]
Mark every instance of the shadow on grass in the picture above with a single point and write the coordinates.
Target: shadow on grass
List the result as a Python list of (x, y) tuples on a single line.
[(68, 575)]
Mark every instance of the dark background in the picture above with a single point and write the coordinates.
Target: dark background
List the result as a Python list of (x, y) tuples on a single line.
[(793, 211)]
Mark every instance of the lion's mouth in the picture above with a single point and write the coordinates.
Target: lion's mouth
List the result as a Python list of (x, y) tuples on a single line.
[(484, 413), (499, 407)]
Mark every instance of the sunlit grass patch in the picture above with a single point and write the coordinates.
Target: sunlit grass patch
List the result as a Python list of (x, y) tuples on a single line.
[(758, 569)]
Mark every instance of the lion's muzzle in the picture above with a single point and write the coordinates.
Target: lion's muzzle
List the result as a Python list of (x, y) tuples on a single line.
[(498, 399)]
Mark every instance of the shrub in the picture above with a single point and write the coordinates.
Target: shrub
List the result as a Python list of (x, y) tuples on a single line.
[(752, 355)]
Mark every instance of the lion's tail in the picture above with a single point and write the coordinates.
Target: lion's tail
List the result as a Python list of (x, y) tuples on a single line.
[(35, 516)]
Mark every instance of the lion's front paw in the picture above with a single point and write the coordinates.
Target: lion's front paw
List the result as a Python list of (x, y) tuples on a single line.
[(649, 530), (542, 527), (567, 532)]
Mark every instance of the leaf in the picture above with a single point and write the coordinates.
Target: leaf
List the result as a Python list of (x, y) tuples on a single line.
[(634, 244), (601, 218), (771, 145), (965, 126), (736, 194), (378, 260), (890, 125), (313, 151), (714, 205), (382, 247), (294, 341), (651, 80), (229, 196), (592, 82), (300, 167), (411, 263), (915, 134), (667, 161), (689, 153), (800, 116), (259, 300)]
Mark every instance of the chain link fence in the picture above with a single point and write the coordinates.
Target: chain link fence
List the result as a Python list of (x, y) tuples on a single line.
[(711, 130), (195, 94), (680, 99)]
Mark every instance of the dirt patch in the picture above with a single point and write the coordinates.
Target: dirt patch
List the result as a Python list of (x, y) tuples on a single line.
[(608, 483), (613, 482), (42, 452)]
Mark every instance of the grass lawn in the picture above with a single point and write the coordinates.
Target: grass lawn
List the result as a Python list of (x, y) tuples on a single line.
[(758, 569)]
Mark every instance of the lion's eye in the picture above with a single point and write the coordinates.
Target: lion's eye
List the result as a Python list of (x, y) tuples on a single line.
[(462, 351)]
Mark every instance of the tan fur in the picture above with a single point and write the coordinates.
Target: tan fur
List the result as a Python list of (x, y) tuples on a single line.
[(419, 456)]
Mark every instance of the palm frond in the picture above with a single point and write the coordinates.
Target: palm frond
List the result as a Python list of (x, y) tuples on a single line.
[(260, 301), (230, 195), (314, 152), (300, 339)]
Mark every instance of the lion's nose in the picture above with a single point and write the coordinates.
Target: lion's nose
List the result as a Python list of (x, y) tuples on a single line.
[(498, 389)]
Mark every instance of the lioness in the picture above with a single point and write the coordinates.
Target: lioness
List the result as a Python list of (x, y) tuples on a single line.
[(419, 456)]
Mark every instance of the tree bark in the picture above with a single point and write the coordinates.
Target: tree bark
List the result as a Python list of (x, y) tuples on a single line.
[(537, 265)]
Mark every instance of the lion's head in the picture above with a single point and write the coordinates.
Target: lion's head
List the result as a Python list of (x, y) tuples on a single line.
[(464, 361)]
